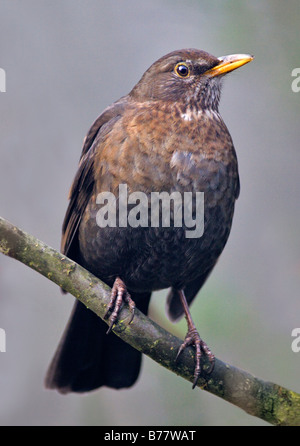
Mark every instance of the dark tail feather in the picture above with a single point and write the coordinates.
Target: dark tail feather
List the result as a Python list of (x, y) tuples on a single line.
[(88, 358)]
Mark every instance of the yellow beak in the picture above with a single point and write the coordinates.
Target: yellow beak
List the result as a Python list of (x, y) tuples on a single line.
[(229, 63)]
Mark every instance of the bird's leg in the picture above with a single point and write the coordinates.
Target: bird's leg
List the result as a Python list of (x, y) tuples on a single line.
[(193, 338), (119, 294)]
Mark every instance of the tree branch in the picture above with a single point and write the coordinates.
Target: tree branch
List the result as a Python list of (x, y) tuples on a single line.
[(265, 400)]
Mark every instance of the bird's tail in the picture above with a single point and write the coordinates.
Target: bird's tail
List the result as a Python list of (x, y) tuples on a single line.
[(88, 358)]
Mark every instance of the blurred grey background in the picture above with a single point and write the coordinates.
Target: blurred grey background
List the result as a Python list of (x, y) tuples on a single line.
[(65, 61)]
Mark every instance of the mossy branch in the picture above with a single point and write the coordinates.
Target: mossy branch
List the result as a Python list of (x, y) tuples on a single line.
[(265, 400)]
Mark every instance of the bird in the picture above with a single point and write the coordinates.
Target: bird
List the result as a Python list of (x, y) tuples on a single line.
[(165, 136)]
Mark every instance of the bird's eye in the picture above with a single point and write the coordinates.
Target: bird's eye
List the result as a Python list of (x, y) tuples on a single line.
[(182, 70)]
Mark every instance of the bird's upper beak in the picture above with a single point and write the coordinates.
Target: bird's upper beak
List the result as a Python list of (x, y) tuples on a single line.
[(229, 63)]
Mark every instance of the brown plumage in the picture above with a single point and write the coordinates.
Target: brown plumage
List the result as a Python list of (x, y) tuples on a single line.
[(166, 135)]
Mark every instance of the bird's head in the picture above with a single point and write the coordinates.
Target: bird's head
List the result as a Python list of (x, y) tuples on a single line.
[(191, 77)]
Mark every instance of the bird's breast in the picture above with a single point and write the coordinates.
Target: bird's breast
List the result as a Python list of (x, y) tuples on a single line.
[(159, 152), (152, 148)]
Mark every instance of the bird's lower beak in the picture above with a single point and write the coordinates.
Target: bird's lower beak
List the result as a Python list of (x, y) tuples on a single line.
[(229, 63)]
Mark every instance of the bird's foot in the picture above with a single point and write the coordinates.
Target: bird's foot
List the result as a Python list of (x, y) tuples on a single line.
[(193, 338), (119, 294)]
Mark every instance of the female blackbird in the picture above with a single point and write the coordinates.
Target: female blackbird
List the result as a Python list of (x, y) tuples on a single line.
[(165, 136)]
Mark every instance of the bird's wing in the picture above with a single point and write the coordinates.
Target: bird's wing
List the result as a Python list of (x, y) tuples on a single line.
[(83, 184)]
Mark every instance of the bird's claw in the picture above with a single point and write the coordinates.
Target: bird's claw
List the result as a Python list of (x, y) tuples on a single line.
[(119, 294), (193, 338)]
